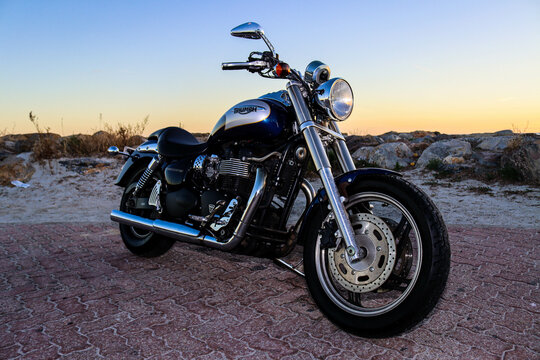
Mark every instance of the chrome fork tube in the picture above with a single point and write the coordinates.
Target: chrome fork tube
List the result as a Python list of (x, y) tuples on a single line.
[(342, 152), (322, 165)]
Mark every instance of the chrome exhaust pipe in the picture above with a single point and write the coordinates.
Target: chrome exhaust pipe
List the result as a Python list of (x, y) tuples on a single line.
[(188, 234)]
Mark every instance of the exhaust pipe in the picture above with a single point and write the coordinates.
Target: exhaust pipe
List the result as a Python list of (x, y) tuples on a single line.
[(190, 235)]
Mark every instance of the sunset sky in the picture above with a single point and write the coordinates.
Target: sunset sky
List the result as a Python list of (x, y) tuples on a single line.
[(452, 66)]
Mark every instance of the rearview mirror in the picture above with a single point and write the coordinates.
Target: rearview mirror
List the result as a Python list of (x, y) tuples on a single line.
[(249, 30)]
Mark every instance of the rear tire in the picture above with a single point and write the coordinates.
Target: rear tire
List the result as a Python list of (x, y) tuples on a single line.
[(141, 242), (412, 273)]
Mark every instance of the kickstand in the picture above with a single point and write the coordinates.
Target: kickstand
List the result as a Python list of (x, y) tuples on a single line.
[(291, 267)]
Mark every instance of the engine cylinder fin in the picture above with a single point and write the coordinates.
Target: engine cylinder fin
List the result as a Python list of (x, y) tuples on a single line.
[(234, 167)]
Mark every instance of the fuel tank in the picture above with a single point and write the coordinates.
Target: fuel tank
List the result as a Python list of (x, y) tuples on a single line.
[(262, 120)]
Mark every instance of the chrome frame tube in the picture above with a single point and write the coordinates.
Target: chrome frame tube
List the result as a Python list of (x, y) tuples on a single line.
[(194, 236), (342, 152), (322, 165)]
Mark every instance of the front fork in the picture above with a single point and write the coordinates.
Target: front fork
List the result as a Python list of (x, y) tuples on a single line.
[(322, 165)]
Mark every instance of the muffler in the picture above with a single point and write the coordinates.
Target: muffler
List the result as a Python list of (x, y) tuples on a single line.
[(190, 235)]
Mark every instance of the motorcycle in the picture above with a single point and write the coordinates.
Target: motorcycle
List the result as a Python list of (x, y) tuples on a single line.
[(376, 255)]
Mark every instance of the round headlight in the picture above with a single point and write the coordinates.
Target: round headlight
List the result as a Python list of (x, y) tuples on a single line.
[(336, 97)]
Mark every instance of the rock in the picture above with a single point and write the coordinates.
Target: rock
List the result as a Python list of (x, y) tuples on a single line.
[(425, 139), (4, 154), (419, 147), (390, 136), (406, 136), (453, 160), (355, 142), (386, 155), (497, 143), (442, 149), (504, 133), (487, 158), (14, 167), (25, 142), (422, 134), (525, 160)]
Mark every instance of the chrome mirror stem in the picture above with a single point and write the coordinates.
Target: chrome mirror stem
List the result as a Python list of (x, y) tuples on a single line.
[(268, 43)]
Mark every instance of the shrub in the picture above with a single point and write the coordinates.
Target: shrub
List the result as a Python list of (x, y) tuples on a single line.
[(46, 147), (510, 173), (434, 164)]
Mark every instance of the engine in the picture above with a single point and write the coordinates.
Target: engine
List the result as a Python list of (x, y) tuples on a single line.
[(228, 175)]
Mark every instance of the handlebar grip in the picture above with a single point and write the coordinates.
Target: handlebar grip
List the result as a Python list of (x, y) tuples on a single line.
[(234, 66), (249, 65)]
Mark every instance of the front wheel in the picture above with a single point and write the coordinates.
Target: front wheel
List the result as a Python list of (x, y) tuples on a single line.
[(406, 266)]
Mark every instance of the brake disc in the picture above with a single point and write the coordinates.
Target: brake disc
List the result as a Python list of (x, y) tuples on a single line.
[(375, 237)]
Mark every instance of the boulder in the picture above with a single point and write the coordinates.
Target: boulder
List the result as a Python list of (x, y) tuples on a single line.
[(453, 160), (25, 142), (489, 159), (504, 133), (441, 149), (425, 139), (496, 143), (387, 155), (406, 136), (355, 142), (422, 134), (419, 147), (525, 160), (390, 136), (14, 167)]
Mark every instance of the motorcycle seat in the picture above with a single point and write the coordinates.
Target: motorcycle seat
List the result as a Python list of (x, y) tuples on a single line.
[(178, 143)]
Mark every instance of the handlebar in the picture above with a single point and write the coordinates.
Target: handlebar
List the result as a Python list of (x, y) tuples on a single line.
[(248, 65)]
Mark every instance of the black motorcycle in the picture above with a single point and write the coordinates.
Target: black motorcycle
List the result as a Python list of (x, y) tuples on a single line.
[(376, 255)]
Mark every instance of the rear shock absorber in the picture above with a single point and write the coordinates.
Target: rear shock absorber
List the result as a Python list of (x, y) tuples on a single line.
[(154, 164)]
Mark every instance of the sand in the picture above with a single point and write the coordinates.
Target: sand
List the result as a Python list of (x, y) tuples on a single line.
[(57, 194)]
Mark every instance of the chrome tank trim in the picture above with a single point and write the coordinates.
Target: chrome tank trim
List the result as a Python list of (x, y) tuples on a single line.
[(194, 236), (245, 113)]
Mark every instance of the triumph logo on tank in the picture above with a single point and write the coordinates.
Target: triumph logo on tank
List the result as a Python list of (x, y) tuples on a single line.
[(247, 109), (246, 113)]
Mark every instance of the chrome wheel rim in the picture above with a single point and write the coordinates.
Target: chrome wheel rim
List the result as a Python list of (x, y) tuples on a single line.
[(379, 300)]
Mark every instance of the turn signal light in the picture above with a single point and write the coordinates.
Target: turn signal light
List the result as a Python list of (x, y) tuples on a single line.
[(282, 70)]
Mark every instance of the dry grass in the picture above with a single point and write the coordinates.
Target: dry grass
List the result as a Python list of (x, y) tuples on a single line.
[(51, 146), (46, 146)]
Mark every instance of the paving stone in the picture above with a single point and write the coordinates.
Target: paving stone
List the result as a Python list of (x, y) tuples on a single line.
[(63, 296)]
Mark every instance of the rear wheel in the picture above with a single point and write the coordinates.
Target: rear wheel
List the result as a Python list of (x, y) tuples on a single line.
[(142, 242), (406, 267)]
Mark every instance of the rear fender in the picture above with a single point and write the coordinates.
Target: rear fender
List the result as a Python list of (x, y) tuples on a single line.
[(137, 160), (343, 182)]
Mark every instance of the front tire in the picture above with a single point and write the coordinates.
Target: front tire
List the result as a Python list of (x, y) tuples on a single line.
[(407, 264), (141, 242)]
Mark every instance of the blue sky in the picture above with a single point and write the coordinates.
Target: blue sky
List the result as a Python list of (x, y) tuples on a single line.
[(459, 66)]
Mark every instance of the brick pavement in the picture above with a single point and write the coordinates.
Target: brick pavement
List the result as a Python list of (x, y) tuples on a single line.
[(73, 291)]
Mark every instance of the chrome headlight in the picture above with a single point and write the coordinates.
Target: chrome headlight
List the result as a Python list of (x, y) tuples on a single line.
[(336, 97)]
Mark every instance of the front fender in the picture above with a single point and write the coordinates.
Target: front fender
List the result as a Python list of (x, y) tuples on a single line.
[(342, 181)]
